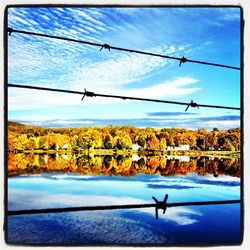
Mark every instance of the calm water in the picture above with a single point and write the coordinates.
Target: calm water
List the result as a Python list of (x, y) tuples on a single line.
[(42, 181)]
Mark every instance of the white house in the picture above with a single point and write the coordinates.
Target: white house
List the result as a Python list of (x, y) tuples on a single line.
[(135, 147), (181, 147), (184, 147), (65, 157), (172, 147), (183, 158), (65, 146), (135, 157)]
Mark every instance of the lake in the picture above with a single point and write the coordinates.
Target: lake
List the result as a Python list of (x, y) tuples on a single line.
[(39, 181)]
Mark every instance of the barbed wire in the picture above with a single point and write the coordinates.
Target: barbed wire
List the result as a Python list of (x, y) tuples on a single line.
[(109, 47), (92, 94)]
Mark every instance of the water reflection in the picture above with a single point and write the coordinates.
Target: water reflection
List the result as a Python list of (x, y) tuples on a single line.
[(210, 224), (120, 165), (57, 180)]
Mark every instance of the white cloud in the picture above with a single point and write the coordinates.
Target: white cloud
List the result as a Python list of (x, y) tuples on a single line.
[(176, 88), (226, 124), (91, 29), (181, 216), (222, 178), (18, 19), (116, 71), (46, 18), (120, 69), (129, 11), (229, 14), (83, 15), (21, 99)]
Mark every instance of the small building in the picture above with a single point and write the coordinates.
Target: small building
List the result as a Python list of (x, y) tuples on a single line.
[(135, 157), (181, 147), (65, 146), (65, 157), (135, 147), (184, 147), (182, 158)]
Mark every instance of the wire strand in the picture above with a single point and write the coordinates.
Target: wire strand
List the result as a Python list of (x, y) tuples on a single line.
[(182, 60), (113, 207), (92, 94)]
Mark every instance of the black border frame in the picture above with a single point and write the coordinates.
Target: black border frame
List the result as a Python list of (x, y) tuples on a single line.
[(5, 23)]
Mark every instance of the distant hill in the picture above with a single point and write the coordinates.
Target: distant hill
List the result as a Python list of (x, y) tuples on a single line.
[(10, 123), (21, 128)]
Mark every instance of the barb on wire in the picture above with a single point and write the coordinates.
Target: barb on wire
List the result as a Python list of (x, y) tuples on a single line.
[(105, 46), (160, 205), (183, 60), (192, 104), (92, 94), (109, 47), (9, 30), (88, 93)]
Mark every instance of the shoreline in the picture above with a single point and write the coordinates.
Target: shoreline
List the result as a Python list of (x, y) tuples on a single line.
[(129, 152)]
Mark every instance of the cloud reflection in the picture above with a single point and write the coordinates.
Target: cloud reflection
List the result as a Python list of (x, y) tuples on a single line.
[(23, 199), (169, 186)]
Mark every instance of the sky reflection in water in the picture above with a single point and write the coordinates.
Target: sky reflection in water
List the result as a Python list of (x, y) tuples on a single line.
[(182, 225)]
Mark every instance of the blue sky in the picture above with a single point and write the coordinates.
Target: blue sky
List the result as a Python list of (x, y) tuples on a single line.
[(205, 34)]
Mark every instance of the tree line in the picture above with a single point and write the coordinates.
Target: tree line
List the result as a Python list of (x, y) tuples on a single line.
[(22, 137)]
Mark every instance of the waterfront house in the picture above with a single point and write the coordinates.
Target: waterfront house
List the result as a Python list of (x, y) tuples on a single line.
[(181, 147), (135, 147)]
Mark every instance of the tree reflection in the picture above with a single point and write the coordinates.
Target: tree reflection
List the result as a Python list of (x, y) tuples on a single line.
[(119, 165)]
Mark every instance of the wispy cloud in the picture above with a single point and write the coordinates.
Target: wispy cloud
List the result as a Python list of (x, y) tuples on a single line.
[(171, 186), (105, 69), (230, 14), (162, 114), (220, 118), (221, 122), (116, 70), (178, 87)]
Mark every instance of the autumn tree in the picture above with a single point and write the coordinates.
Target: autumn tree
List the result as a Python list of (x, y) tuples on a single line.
[(123, 141), (162, 144), (227, 145), (108, 141), (153, 142)]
